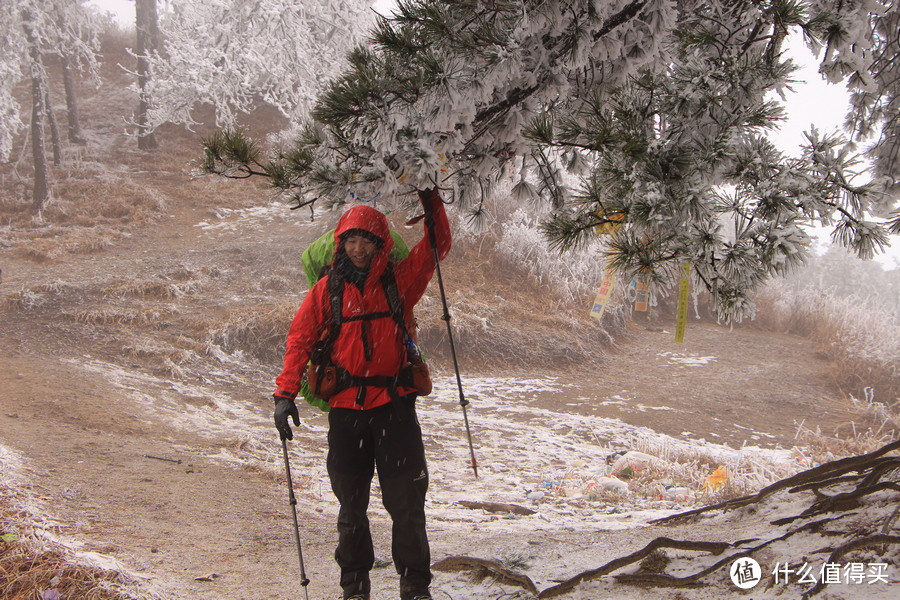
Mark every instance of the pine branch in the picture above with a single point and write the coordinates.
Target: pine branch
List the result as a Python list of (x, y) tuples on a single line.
[(518, 95), (230, 153)]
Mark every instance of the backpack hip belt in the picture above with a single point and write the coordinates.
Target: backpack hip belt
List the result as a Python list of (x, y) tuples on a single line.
[(326, 381)]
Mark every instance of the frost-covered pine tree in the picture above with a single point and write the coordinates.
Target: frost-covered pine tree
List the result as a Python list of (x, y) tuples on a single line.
[(875, 101), (66, 28), (232, 53), (30, 30), (659, 108)]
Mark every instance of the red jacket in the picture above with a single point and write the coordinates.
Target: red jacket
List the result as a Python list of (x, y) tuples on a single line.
[(388, 354)]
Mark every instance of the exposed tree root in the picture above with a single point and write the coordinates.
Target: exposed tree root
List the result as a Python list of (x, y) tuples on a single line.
[(498, 571), (841, 502), (498, 507), (660, 542)]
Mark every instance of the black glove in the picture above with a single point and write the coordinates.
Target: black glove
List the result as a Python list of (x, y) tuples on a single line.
[(285, 407), (428, 198)]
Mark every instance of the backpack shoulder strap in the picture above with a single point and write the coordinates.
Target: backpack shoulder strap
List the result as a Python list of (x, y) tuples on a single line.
[(335, 284), (389, 283)]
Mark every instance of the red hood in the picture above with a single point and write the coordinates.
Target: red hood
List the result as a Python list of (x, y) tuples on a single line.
[(371, 220)]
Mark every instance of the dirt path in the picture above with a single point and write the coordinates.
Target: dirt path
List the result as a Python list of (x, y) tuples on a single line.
[(729, 386)]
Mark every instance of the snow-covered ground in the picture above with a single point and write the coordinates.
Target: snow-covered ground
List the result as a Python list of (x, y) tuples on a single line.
[(552, 464)]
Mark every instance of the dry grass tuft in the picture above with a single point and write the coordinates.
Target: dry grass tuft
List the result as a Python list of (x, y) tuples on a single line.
[(104, 316), (39, 296), (170, 357), (122, 316), (850, 440), (39, 253), (259, 330), (655, 562), (151, 289), (31, 572), (275, 283), (91, 241)]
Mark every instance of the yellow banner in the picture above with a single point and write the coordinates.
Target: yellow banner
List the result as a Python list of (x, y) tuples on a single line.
[(611, 224), (603, 294), (683, 292), (642, 296)]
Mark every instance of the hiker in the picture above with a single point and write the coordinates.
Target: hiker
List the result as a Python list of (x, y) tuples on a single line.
[(372, 419)]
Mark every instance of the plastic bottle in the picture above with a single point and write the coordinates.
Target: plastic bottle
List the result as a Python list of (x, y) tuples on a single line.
[(412, 352)]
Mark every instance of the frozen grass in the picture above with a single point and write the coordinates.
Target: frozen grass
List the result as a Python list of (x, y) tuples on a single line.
[(257, 330), (154, 288), (515, 235), (574, 276), (854, 441), (504, 276), (861, 341), (35, 297), (151, 317)]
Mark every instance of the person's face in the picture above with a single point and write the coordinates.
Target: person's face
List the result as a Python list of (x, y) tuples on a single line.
[(360, 250)]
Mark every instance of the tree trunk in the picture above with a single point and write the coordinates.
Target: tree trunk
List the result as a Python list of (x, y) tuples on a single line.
[(41, 191), (147, 26), (54, 128), (75, 135)]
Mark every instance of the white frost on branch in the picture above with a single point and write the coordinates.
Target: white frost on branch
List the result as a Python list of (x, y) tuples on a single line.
[(66, 28), (657, 105), (232, 53)]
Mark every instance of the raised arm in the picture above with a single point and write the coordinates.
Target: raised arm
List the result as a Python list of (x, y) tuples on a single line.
[(414, 272)]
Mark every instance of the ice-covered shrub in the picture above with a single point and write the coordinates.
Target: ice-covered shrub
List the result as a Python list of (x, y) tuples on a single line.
[(575, 274), (860, 337), (523, 303)]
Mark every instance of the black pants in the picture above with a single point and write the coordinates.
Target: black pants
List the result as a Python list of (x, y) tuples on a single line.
[(389, 439)]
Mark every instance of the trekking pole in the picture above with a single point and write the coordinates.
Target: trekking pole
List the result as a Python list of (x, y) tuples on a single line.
[(304, 580), (429, 222)]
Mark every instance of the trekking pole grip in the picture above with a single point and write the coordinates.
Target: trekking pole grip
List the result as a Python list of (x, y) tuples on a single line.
[(427, 197)]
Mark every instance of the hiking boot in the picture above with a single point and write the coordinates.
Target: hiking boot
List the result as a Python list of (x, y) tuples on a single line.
[(357, 590), (426, 595)]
